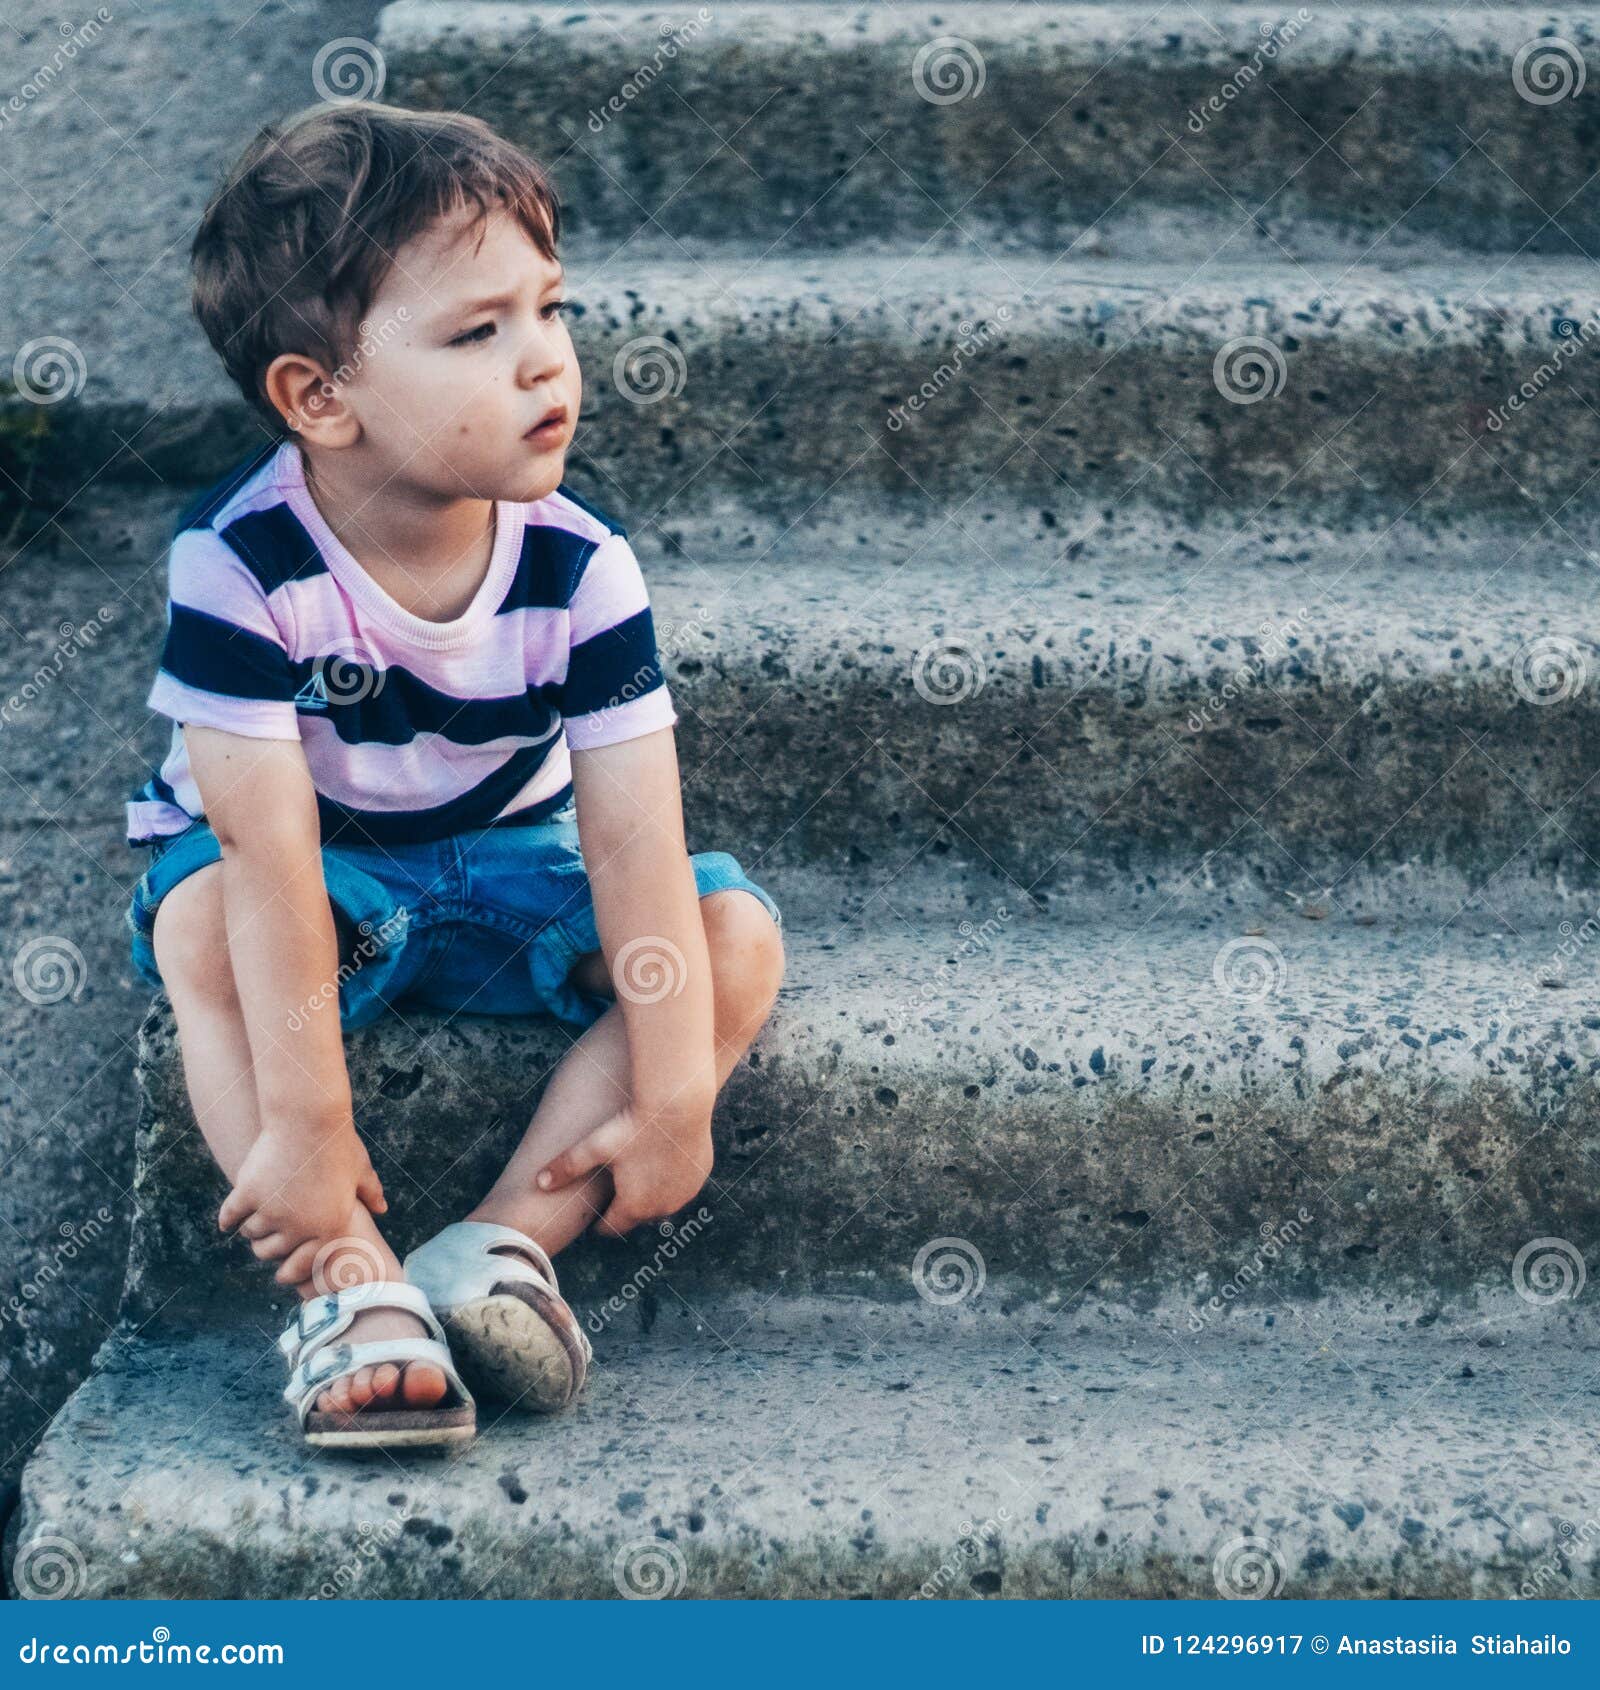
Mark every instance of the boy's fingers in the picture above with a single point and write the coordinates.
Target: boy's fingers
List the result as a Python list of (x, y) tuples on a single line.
[(270, 1248), (235, 1208), (257, 1226), (582, 1158), (297, 1265), (617, 1221), (369, 1188)]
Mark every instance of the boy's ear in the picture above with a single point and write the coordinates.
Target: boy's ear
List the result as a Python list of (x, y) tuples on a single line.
[(312, 405)]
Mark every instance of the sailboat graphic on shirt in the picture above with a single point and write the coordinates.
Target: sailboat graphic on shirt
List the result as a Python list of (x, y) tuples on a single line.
[(313, 695)]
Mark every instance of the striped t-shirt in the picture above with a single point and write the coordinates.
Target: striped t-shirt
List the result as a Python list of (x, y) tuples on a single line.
[(413, 730)]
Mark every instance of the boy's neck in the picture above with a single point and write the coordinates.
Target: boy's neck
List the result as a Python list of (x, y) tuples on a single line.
[(392, 532)]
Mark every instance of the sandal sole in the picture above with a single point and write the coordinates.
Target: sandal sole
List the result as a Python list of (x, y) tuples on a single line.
[(401, 1429), (513, 1346)]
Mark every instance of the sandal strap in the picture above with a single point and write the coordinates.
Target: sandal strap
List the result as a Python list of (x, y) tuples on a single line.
[(462, 1263), (321, 1320), (316, 1372)]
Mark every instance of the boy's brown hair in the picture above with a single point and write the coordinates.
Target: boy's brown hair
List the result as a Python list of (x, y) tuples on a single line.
[(295, 244)]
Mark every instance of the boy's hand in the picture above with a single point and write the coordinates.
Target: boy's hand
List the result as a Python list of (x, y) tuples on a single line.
[(295, 1188), (657, 1166)]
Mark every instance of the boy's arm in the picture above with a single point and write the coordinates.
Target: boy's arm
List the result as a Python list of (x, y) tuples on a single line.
[(630, 828), (308, 1167)]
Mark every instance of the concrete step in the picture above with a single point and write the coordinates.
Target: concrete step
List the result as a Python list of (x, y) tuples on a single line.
[(1102, 1112), (112, 136), (1248, 382), (105, 182), (1083, 706), (818, 124), (1134, 707), (754, 1448)]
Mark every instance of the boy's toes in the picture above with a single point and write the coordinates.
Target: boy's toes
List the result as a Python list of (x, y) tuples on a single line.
[(420, 1385), (385, 1382), (336, 1399), (362, 1389), (423, 1385)]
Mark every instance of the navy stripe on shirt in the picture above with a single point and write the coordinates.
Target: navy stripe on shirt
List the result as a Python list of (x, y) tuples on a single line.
[(627, 650), (215, 655), (345, 826), (549, 568)]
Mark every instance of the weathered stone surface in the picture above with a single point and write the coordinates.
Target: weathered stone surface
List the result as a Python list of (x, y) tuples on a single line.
[(1137, 709), (69, 1014), (791, 357), (881, 459), (1349, 748), (833, 123), (950, 377), (75, 643), (109, 156), (1126, 707), (790, 1448), (115, 141), (1123, 1112)]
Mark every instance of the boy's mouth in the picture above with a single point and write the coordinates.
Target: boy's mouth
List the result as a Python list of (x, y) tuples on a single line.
[(549, 427)]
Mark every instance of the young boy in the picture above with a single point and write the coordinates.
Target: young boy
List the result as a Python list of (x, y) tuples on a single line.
[(409, 673)]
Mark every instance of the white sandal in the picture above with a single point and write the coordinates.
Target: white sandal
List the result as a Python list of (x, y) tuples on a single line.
[(505, 1315), (316, 1360)]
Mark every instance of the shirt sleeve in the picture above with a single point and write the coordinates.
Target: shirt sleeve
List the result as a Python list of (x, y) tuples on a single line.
[(614, 688), (224, 664)]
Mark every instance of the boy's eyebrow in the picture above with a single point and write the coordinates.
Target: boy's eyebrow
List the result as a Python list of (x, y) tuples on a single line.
[(470, 307)]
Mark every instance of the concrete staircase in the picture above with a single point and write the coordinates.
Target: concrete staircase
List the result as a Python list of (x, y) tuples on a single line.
[(1122, 602)]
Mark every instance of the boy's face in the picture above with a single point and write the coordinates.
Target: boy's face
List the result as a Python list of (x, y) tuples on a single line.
[(465, 352)]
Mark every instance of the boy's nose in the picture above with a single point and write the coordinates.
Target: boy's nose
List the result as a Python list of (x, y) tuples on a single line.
[(541, 362)]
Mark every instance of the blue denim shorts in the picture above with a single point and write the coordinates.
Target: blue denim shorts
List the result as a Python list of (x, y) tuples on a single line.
[(489, 922)]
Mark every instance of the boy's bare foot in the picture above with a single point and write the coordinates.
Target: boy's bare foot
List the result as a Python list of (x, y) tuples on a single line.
[(383, 1390), (413, 1384)]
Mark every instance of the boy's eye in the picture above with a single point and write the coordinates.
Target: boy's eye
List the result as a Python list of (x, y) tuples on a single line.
[(477, 336)]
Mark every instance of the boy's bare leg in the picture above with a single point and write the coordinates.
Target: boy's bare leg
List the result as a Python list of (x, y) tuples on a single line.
[(588, 1087), (217, 1070)]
